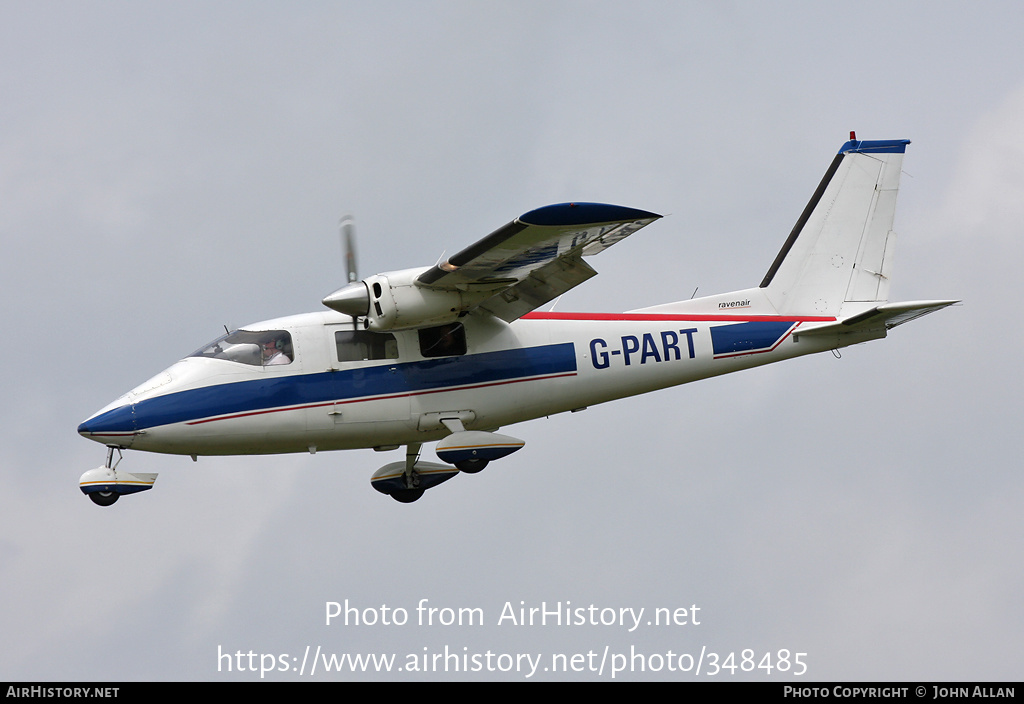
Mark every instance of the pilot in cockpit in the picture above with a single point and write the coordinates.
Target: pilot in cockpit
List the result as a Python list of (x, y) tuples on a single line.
[(273, 352)]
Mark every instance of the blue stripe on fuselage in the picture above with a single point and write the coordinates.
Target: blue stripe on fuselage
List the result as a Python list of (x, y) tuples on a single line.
[(747, 337), (326, 387)]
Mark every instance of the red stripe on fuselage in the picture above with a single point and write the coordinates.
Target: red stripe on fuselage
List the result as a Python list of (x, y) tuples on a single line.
[(677, 316)]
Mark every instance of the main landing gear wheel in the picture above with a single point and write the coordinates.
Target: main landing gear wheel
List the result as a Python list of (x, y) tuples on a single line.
[(104, 498), (407, 496), (471, 466)]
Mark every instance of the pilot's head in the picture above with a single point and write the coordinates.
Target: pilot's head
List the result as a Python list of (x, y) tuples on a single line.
[(270, 348)]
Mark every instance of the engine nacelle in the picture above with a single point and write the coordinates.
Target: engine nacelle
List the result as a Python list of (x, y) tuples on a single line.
[(394, 301), (398, 302)]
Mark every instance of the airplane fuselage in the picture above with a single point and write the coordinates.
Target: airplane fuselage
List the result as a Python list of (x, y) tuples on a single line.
[(540, 365)]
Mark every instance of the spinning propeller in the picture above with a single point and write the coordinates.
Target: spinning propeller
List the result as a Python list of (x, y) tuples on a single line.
[(353, 298), (347, 230)]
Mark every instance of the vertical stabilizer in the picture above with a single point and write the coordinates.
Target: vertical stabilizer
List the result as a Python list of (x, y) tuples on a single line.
[(842, 246)]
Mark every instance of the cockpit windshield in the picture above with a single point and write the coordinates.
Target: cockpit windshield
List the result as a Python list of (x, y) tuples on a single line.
[(264, 348)]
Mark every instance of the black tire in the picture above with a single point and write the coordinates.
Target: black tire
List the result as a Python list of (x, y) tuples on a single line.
[(104, 498), (407, 496), (472, 466)]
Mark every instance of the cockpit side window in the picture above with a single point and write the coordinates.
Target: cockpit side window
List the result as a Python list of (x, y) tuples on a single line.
[(361, 345), (443, 340), (265, 348)]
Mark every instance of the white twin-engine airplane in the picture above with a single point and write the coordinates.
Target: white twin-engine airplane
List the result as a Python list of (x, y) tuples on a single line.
[(453, 352)]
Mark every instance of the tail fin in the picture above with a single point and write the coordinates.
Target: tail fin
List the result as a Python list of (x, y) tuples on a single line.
[(837, 261), (841, 247)]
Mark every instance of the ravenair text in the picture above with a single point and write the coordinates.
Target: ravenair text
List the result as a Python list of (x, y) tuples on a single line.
[(663, 346)]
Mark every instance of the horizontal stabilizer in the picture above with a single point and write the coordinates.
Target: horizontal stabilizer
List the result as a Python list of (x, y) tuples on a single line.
[(883, 317)]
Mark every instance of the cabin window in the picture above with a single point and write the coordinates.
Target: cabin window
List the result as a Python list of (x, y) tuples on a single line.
[(266, 348), (363, 345), (443, 340)]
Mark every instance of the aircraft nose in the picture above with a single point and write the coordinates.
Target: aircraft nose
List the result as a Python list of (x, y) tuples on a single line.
[(111, 425)]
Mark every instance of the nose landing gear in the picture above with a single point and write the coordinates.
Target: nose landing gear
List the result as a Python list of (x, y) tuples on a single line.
[(105, 485)]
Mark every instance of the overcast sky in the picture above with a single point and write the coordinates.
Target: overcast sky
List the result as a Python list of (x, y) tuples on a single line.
[(170, 168)]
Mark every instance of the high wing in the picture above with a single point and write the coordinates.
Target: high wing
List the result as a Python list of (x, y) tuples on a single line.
[(536, 257)]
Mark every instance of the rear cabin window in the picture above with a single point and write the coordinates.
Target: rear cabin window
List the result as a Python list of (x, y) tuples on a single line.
[(443, 340), (363, 345)]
